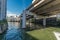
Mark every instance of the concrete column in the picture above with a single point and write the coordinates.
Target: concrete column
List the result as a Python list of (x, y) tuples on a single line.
[(24, 20), (35, 20), (29, 22), (44, 22)]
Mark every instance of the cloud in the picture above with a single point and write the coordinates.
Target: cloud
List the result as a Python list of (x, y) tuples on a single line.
[(10, 14)]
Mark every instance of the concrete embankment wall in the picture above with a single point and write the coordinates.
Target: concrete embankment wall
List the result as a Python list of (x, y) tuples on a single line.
[(3, 27)]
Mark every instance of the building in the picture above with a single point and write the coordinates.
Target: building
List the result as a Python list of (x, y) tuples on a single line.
[(3, 9), (3, 21), (13, 19)]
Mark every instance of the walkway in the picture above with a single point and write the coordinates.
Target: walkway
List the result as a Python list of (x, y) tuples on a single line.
[(57, 34)]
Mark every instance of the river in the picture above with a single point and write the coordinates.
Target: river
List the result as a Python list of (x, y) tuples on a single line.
[(14, 32)]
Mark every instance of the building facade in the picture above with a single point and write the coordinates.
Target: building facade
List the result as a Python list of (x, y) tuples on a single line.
[(3, 9), (3, 22)]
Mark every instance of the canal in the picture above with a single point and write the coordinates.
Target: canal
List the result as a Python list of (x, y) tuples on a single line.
[(14, 32)]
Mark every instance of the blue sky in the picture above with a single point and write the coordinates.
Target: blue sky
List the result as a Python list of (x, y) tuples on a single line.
[(17, 6)]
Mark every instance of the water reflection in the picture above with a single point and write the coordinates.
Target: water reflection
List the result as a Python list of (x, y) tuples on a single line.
[(13, 25), (13, 33)]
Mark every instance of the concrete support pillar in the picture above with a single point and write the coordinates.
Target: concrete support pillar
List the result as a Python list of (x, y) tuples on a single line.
[(29, 23), (35, 20), (24, 20), (44, 22)]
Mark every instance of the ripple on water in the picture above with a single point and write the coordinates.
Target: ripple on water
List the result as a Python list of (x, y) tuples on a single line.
[(13, 33)]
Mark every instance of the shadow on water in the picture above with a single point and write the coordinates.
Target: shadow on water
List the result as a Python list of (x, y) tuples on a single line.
[(2, 36), (26, 36)]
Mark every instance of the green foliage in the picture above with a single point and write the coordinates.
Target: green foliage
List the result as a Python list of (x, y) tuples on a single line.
[(3, 21)]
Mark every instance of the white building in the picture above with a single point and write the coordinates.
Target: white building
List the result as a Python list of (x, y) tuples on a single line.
[(3, 9)]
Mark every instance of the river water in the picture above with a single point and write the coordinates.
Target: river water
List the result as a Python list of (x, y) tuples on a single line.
[(14, 32)]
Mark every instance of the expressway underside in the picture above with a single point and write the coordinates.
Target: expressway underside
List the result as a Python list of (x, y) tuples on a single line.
[(48, 11)]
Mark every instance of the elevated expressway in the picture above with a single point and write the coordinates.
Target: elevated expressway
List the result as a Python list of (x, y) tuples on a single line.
[(45, 9)]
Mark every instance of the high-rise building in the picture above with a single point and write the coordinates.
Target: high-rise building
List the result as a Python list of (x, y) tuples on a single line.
[(2, 9), (3, 25)]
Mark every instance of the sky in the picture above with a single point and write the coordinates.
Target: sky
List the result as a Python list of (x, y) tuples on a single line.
[(15, 7)]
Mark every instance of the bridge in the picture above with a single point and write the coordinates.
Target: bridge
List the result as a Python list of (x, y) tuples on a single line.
[(42, 9), (39, 9)]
